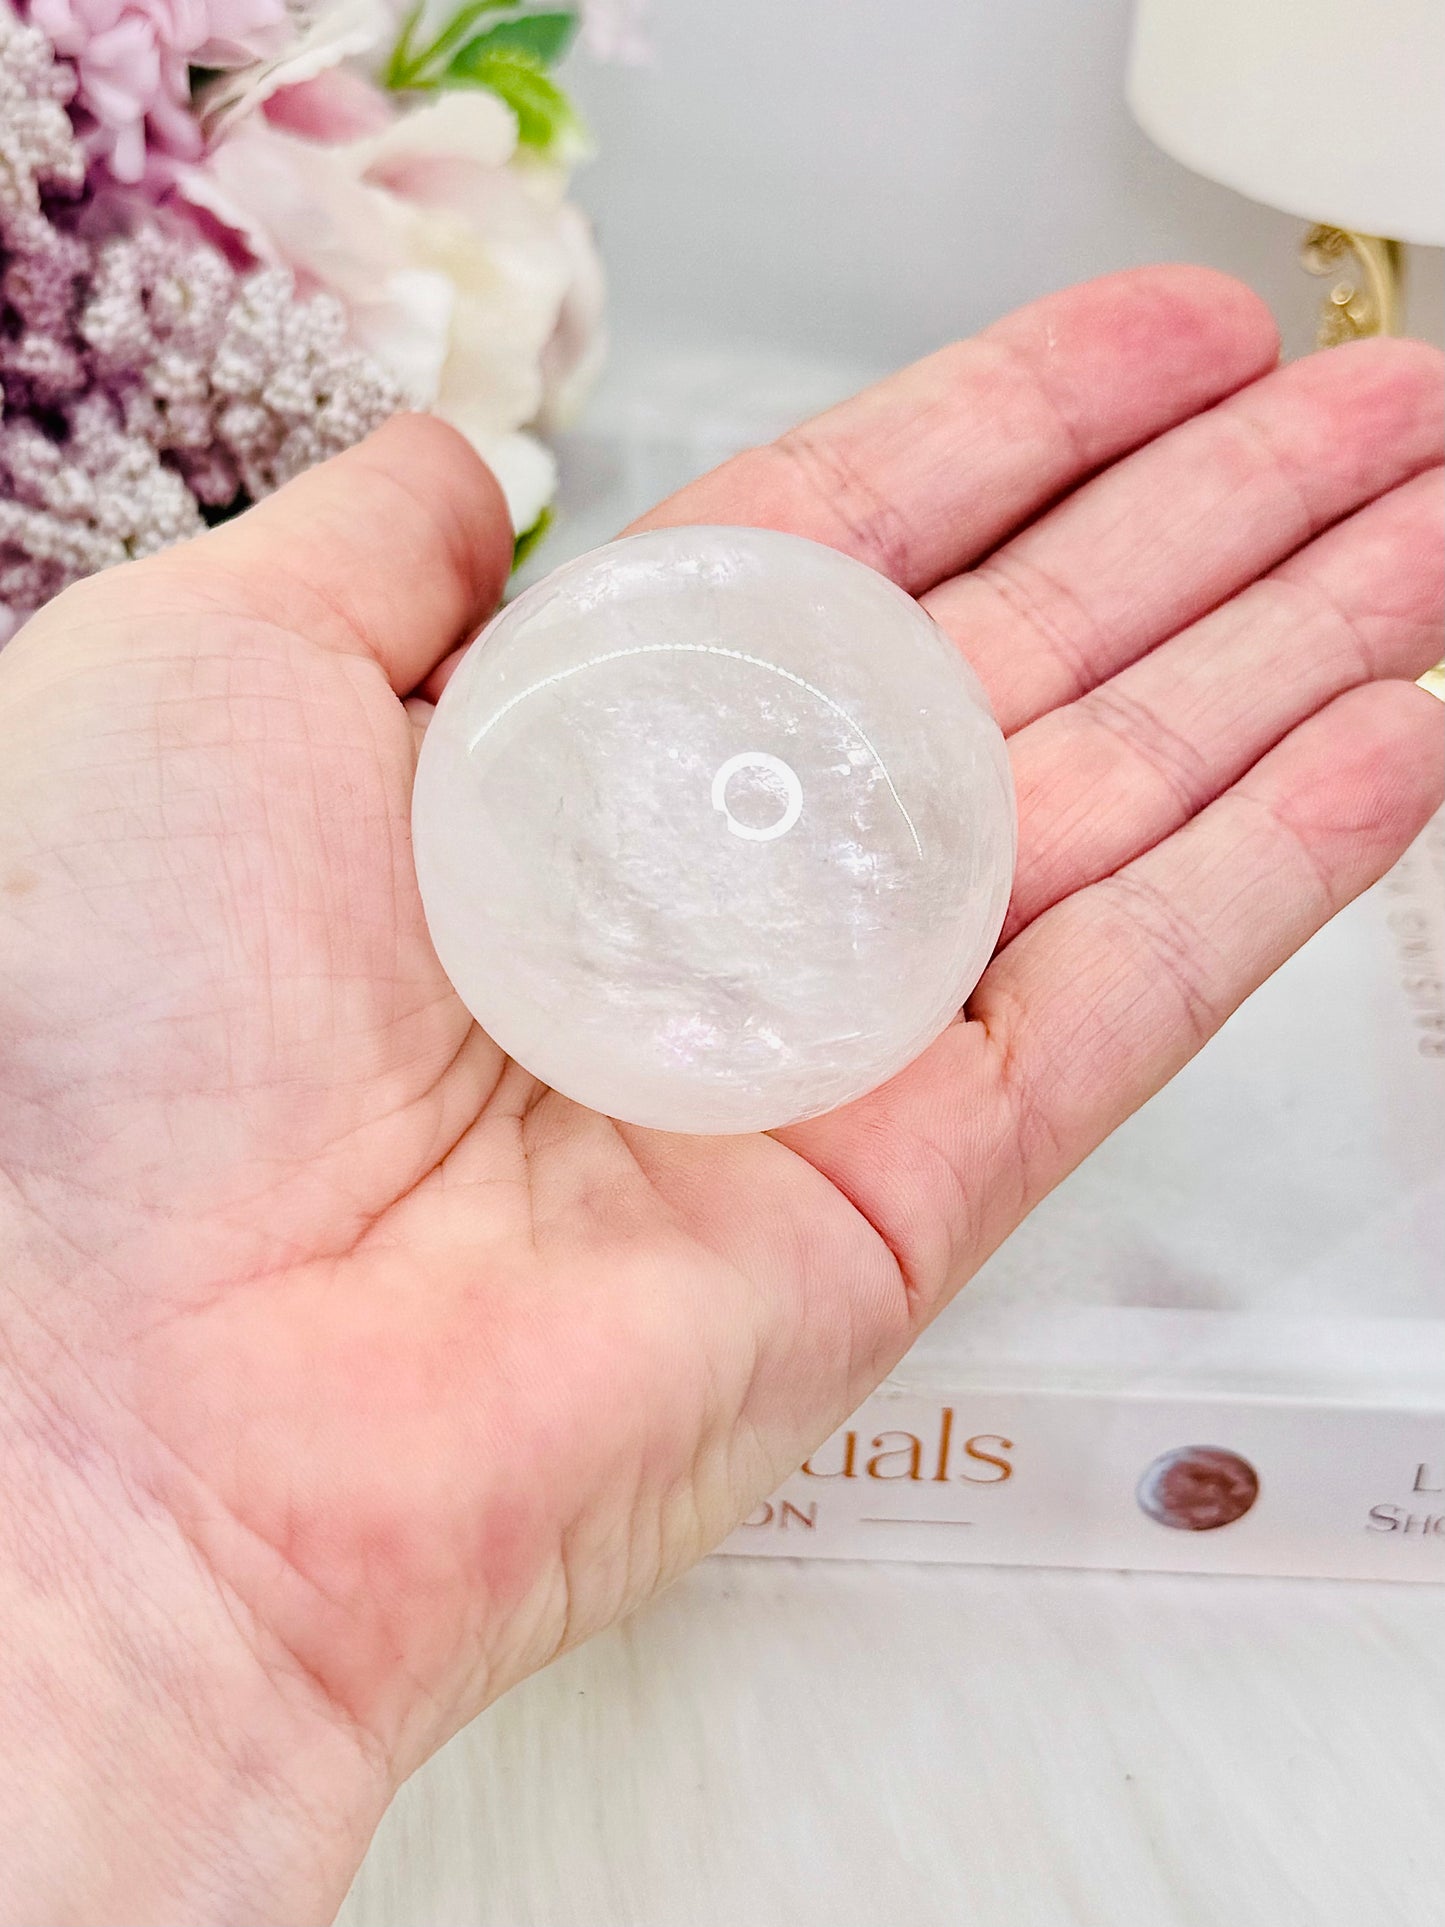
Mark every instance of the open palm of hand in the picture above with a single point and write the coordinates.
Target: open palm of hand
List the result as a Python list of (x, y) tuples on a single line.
[(404, 1371)]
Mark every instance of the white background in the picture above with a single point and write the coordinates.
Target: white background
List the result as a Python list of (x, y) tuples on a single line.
[(861, 180)]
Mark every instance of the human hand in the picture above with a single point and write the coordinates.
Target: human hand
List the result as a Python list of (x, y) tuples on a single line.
[(347, 1375)]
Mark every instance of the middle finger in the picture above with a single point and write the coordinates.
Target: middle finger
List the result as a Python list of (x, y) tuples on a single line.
[(1176, 529), (1107, 777)]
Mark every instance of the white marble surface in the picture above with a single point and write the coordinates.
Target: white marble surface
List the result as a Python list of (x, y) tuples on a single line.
[(795, 1744)]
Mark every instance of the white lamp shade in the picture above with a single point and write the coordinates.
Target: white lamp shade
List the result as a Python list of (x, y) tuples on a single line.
[(1333, 110)]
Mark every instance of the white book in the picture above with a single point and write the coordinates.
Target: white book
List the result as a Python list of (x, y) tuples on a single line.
[(1220, 1345)]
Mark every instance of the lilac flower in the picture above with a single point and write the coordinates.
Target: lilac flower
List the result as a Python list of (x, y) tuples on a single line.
[(38, 150), (133, 60), (237, 380), (155, 381), (71, 507), (143, 381)]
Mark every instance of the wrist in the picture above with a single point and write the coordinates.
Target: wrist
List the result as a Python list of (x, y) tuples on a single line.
[(157, 1762)]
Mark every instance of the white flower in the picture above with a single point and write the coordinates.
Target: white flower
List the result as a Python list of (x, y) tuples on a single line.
[(464, 271), (342, 30)]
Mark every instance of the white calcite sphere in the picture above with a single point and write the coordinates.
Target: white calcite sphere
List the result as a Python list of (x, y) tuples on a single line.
[(714, 829)]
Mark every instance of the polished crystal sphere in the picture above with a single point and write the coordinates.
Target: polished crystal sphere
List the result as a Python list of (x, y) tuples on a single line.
[(714, 829)]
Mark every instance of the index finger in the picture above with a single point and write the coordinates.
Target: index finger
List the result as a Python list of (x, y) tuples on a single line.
[(923, 474)]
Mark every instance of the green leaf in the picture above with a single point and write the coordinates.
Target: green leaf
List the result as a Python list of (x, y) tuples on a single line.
[(544, 113), (526, 543), (543, 37), (408, 69), (399, 65)]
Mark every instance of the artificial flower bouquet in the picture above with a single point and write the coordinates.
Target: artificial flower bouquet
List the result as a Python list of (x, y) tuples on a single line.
[(236, 234)]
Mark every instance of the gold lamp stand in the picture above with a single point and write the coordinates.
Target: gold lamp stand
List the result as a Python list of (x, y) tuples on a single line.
[(1368, 298)]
